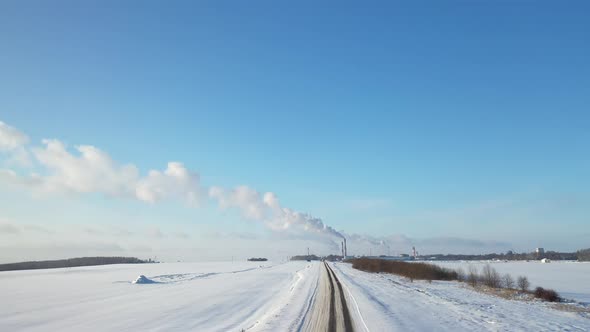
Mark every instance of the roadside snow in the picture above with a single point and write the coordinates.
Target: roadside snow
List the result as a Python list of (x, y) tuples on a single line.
[(390, 303), (570, 279)]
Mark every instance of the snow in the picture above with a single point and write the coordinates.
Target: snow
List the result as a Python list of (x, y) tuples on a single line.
[(569, 279), (143, 280), (245, 295), (183, 297), (387, 302)]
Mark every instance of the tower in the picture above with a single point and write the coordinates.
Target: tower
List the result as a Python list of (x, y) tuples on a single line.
[(345, 252)]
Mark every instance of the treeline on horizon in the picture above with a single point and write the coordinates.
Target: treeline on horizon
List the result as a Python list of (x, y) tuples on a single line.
[(580, 255), (71, 262), (330, 258)]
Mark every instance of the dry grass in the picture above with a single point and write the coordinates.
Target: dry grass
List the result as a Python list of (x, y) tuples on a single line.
[(418, 271)]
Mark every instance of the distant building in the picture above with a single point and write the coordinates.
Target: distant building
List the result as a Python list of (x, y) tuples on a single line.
[(540, 251)]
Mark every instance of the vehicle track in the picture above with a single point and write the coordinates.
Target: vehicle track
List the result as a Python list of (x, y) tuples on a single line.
[(329, 310)]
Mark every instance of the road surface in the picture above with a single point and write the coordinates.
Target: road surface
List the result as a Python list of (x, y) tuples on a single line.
[(329, 311)]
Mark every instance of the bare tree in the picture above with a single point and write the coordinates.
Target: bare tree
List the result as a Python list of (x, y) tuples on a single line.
[(460, 274), (508, 281), (523, 283), (490, 277), (472, 277)]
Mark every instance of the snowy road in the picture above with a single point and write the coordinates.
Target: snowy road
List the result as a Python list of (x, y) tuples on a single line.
[(295, 296), (329, 311)]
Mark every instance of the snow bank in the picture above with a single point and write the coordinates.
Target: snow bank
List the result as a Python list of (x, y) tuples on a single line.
[(143, 280)]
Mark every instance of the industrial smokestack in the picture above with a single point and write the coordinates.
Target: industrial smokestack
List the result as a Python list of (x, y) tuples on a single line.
[(342, 249), (345, 252)]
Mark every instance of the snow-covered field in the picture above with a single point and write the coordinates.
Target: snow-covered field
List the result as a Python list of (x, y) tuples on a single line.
[(390, 303), (254, 297), (184, 297), (570, 279)]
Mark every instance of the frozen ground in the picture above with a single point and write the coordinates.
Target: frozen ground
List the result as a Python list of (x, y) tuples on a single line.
[(570, 279), (183, 297), (387, 302), (254, 297)]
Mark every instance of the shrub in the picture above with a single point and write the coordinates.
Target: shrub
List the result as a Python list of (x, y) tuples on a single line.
[(490, 277), (547, 294), (419, 271), (508, 281), (472, 277), (460, 274), (523, 283), (584, 255)]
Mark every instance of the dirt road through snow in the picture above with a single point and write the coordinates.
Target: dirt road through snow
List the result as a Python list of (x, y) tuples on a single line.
[(330, 310)]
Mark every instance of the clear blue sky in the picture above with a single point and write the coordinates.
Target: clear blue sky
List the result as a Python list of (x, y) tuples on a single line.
[(380, 117)]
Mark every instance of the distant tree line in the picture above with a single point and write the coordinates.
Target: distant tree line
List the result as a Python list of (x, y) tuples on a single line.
[(71, 262), (333, 258), (305, 257), (510, 256), (584, 255), (257, 259)]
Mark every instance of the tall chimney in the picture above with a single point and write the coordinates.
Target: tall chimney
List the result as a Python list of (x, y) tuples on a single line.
[(345, 252), (342, 249)]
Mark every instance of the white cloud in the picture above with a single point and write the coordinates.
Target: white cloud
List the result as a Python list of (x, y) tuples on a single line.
[(11, 138), (92, 170), (247, 200), (175, 181)]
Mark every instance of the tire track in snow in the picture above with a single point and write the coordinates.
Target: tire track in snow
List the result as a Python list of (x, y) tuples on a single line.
[(329, 311)]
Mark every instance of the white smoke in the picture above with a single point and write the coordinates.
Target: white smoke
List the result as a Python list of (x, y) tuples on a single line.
[(91, 170), (267, 209)]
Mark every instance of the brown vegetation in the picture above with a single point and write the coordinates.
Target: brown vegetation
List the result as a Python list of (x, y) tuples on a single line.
[(523, 283), (490, 277), (548, 295), (418, 271), (490, 280)]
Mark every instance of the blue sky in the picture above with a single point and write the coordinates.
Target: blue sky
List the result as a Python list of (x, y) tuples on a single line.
[(462, 119)]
